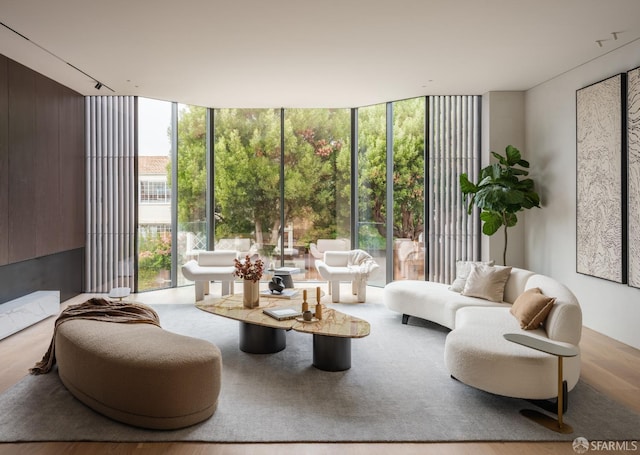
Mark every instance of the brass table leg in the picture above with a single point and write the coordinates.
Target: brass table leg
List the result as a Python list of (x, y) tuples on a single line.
[(552, 424)]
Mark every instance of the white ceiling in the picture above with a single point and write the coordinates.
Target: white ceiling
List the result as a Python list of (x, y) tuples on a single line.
[(303, 53)]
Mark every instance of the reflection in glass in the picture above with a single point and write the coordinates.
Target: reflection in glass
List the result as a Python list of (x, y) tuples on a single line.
[(408, 189), (317, 184), (372, 186), (247, 181), (192, 184)]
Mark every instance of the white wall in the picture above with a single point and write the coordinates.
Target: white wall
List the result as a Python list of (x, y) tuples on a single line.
[(550, 233), (502, 125)]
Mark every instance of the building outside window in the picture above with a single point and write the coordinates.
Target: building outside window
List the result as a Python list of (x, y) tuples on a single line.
[(154, 194)]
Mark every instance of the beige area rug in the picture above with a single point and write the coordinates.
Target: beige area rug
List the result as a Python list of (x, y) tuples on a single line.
[(398, 389)]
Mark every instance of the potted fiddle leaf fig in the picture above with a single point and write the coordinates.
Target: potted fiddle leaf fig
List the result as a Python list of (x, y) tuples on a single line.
[(502, 191)]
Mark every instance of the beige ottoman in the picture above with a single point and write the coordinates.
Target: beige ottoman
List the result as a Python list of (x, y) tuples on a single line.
[(139, 374)]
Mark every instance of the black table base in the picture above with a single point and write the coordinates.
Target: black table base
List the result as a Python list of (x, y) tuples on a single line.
[(258, 339), (331, 353)]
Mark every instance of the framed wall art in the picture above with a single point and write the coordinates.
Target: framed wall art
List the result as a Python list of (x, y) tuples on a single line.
[(633, 173), (601, 162)]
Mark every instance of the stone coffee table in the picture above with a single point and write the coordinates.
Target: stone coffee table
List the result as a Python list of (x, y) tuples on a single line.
[(262, 334)]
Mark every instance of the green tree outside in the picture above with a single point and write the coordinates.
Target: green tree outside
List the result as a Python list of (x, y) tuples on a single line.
[(316, 168)]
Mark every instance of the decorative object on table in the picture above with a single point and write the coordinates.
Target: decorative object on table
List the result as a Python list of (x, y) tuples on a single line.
[(601, 249), (282, 314), (500, 193), (276, 284), (250, 273), (318, 305), (307, 316), (286, 273), (633, 173), (286, 294), (305, 304)]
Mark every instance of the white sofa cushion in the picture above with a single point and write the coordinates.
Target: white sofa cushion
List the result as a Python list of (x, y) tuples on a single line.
[(462, 272), (477, 354), (217, 258), (516, 284), (486, 282), (429, 300)]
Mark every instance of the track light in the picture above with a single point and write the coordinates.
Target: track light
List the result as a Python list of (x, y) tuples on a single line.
[(98, 85)]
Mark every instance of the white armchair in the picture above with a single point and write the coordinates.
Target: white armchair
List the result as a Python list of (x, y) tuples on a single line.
[(211, 266), (354, 266), (318, 249)]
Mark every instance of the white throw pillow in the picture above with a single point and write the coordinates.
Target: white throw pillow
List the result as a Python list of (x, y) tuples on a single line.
[(487, 282), (462, 272)]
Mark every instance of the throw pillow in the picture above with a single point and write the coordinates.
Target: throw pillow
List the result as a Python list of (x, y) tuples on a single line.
[(462, 272), (486, 282), (531, 308)]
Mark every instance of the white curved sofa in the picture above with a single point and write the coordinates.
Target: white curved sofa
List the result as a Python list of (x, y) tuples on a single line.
[(476, 352)]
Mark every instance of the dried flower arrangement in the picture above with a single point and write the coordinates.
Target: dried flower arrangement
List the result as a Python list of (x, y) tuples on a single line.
[(248, 270)]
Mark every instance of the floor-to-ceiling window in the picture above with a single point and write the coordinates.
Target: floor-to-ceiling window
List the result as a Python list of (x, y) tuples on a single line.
[(372, 186), (317, 166), (191, 173), (408, 189), (282, 180), (246, 199), (154, 194)]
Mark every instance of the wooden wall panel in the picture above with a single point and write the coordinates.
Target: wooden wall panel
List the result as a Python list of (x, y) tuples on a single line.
[(72, 169), (4, 162), (47, 213), (42, 174), (22, 146), (42, 184)]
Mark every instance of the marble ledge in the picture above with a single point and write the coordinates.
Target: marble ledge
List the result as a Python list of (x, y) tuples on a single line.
[(20, 313)]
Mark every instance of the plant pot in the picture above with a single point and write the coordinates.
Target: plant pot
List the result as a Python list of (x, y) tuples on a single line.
[(251, 294)]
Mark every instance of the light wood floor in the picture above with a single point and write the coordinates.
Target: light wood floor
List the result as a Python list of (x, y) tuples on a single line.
[(610, 366)]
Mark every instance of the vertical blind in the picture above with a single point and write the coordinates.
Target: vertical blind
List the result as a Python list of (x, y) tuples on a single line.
[(453, 148), (111, 192)]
